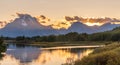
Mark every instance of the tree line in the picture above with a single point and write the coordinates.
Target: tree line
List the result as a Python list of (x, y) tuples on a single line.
[(113, 35), (73, 36)]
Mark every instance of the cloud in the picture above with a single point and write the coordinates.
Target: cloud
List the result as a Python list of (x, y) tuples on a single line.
[(3, 24), (42, 17), (20, 15), (62, 24), (90, 20), (43, 20), (69, 18)]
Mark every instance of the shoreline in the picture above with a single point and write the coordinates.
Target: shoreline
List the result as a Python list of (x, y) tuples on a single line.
[(63, 44), (70, 47)]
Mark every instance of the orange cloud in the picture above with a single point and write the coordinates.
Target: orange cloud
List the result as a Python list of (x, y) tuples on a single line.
[(43, 20), (61, 24), (91, 21)]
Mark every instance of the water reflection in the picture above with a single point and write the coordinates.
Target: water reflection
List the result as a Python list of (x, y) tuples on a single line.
[(9, 60), (36, 56)]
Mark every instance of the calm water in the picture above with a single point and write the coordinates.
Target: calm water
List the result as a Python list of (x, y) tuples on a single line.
[(32, 55)]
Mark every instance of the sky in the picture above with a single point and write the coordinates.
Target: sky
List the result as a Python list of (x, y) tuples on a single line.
[(57, 9)]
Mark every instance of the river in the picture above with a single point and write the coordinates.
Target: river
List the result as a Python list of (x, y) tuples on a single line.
[(36, 55)]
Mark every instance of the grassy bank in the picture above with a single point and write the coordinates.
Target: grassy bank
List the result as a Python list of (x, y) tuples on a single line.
[(108, 55), (81, 43), (54, 44)]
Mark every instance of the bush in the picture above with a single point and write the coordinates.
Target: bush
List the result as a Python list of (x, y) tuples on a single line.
[(106, 58), (108, 55), (2, 47), (107, 48)]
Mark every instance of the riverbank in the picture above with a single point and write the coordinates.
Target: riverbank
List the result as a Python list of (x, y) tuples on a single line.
[(70, 47), (55, 44)]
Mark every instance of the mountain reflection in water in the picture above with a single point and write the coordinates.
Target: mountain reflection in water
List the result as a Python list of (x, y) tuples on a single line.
[(36, 56)]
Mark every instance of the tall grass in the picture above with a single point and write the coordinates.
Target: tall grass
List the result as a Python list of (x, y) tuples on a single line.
[(108, 55)]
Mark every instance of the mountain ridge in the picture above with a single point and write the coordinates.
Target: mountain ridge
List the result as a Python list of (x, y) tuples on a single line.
[(26, 25)]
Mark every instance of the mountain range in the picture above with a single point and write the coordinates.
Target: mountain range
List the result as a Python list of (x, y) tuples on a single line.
[(27, 25)]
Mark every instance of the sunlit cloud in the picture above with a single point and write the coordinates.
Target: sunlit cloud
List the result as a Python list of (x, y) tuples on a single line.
[(43, 20), (92, 21), (61, 24), (115, 22), (3, 24), (93, 24)]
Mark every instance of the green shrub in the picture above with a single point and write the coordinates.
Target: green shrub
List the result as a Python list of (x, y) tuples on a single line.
[(107, 48), (2, 48), (108, 55), (105, 58)]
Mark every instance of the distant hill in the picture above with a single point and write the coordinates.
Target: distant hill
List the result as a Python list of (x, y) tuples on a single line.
[(107, 26), (80, 28)]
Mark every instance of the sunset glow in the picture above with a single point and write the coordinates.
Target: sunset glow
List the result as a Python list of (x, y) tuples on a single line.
[(93, 24), (115, 22), (54, 9)]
